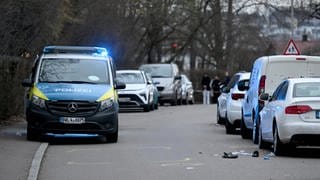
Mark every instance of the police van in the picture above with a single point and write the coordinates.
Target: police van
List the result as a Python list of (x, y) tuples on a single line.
[(72, 90)]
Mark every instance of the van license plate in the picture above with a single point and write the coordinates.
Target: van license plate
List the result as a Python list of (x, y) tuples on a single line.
[(73, 120), (318, 114)]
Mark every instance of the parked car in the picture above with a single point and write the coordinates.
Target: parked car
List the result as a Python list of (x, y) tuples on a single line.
[(187, 90), (229, 102), (138, 92), (292, 115), (155, 90), (168, 76), (266, 74)]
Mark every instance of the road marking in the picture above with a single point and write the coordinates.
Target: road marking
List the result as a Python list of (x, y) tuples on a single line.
[(36, 161), (156, 147), (87, 149), (88, 163)]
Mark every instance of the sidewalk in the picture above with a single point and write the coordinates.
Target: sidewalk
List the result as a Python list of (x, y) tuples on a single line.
[(16, 153)]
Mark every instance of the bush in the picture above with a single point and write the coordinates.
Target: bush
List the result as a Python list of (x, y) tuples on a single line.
[(13, 71)]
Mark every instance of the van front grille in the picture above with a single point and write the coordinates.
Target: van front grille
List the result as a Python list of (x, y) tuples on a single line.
[(72, 108)]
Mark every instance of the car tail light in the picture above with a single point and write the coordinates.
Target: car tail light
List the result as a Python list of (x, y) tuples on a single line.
[(297, 109), (300, 59), (262, 87), (236, 96)]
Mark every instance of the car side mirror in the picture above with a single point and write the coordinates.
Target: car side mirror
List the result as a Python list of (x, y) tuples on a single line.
[(243, 85), (27, 83), (178, 77), (120, 85), (225, 90), (264, 97)]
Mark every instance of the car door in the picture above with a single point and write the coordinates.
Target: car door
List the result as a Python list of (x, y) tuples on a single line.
[(273, 110)]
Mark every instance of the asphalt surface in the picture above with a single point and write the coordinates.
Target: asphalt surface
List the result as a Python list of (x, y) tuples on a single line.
[(16, 153)]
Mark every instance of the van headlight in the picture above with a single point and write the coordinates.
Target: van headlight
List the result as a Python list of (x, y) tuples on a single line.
[(106, 104), (39, 102)]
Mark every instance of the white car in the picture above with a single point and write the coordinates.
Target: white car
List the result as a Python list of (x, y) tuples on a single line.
[(229, 102), (138, 92), (292, 115), (267, 72), (187, 90)]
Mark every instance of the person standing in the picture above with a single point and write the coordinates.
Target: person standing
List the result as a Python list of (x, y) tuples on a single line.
[(215, 86), (205, 82)]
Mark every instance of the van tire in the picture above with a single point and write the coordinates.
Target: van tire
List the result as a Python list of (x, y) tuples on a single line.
[(244, 131), (113, 137), (255, 134), (32, 135)]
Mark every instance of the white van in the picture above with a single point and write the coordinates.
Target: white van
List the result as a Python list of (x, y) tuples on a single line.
[(266, 74)]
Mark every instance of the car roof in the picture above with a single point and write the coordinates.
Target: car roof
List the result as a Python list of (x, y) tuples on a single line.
[(302, 80), (243, 75), (129, 71), (74, 56)]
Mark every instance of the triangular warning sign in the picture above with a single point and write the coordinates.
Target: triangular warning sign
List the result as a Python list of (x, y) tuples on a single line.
[(291, 49)]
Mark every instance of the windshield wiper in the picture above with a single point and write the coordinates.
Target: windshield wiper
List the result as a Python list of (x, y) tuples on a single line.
[(158, 76), (75, 82)]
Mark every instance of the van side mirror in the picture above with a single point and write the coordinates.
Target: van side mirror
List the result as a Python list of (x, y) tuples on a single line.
[(243, 85), (178, 77), (27, 83), (264, 97), (120, 85)]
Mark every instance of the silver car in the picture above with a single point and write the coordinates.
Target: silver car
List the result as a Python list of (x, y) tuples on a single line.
[(187, 90), (138, 92)]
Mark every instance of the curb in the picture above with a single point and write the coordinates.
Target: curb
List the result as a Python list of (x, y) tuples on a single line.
[(36, 162)]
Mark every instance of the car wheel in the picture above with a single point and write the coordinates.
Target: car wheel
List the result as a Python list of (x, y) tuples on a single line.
[(33, 135), (152, 106), (244, 131), (146, 108), (278, 147), (220, 120), (156, 106), (174, 101), (262, 144), (230, 129)]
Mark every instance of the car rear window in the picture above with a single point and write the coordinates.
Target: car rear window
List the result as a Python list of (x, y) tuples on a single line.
[(310, 89)]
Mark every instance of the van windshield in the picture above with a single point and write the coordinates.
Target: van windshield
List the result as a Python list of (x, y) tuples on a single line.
[(63, 70), (158, 71)]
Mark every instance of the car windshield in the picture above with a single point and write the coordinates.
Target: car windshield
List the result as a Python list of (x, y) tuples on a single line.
[(311, 89), (158, 71), (61, 70), (131, 78)]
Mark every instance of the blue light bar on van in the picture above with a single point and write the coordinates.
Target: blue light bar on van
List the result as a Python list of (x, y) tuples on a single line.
[(97, 51)]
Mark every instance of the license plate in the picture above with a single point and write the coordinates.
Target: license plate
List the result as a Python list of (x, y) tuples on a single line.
[(73, 120), (124, 99)]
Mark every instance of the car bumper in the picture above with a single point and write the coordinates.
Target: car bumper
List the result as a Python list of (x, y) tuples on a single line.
[(234, 112), (100, 123), (127, 101), (299, 132), (167, 96)]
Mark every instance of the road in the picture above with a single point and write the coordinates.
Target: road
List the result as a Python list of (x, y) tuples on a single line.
[(180, 142)]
